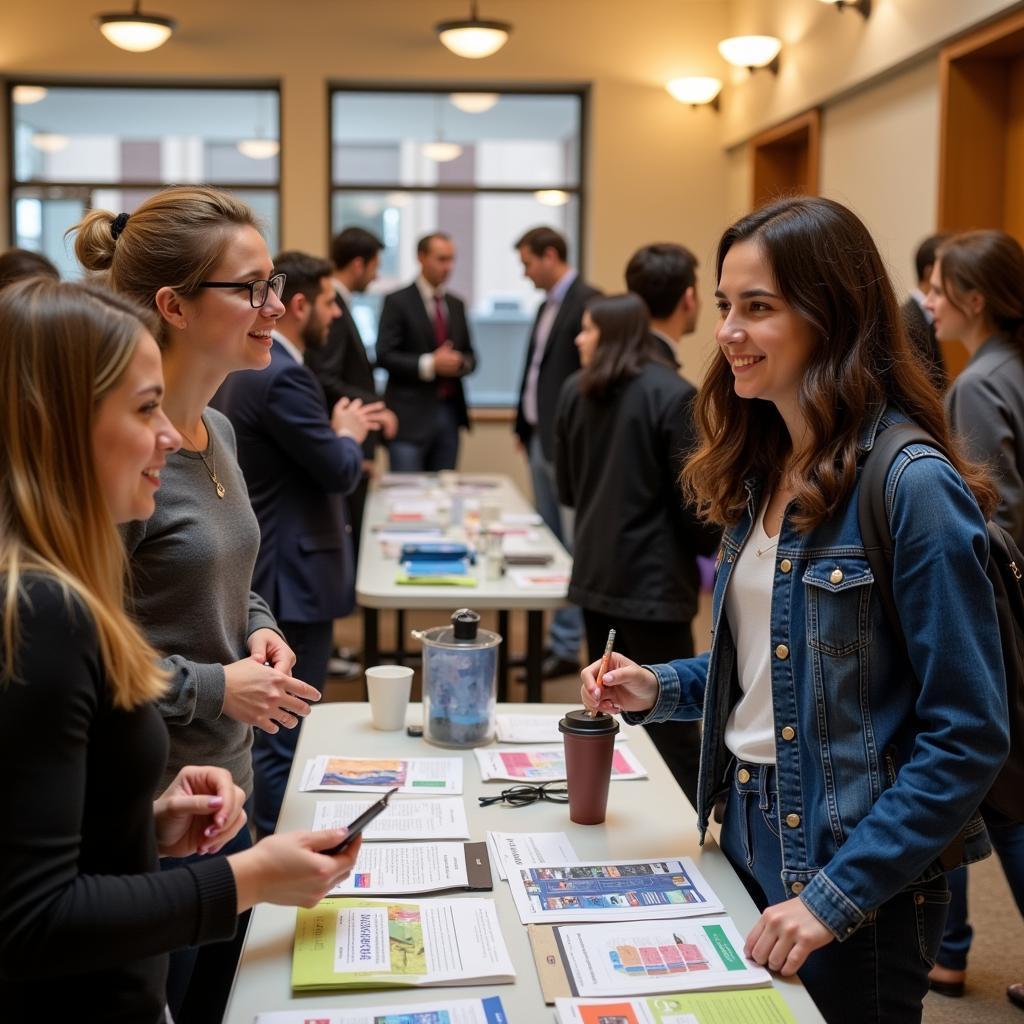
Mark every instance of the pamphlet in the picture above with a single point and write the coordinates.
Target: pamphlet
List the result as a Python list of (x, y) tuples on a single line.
[(511, 850), (642, 958), (547, 764), (419, 775), (625, 890), (404, 869), (448, 1011), (535, 729), (540, 579), (753, 1006), (356, 943), (439, 818)]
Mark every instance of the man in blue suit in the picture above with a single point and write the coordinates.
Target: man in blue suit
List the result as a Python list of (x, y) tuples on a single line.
[(299, 463)]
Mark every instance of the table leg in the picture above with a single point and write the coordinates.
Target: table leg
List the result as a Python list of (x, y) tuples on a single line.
[(400, 653), (371, 641), (534, 654), (503, 655)]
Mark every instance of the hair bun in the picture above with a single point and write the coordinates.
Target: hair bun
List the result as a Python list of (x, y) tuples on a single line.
[(95, 240)]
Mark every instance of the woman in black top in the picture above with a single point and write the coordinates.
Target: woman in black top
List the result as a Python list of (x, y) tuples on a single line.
[(86, 917)]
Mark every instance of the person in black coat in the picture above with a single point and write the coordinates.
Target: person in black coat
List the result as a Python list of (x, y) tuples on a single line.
[(622, 433), (423, 342), (917, 319)]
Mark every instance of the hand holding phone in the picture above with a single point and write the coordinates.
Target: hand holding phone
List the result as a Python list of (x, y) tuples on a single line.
[(356, 827)]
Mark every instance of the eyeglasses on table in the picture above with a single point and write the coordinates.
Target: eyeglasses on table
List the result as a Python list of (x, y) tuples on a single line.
[(520, 796)]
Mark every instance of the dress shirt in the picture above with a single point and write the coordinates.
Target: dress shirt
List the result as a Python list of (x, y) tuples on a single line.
[(288, 346), (428, 292), (545, 322)]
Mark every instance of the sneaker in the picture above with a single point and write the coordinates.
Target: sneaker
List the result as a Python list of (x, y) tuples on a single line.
[(343, 668)]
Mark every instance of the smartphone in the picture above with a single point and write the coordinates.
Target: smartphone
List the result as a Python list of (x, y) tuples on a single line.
[(364, 819)]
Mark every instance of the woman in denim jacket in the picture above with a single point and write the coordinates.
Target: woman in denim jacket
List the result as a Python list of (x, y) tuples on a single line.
[(850, 767)]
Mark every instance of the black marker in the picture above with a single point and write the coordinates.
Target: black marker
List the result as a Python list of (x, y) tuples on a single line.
[(364, 819)]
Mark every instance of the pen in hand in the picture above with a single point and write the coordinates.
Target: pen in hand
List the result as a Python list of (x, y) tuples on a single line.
[(605, 659)]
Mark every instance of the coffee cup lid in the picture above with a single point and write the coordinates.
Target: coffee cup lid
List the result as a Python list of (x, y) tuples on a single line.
[(582, 723)]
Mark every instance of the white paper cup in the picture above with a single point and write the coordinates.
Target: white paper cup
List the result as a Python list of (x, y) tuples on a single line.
[(388, 687)]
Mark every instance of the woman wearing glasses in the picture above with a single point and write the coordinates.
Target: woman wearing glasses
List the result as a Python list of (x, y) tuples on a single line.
[(195, 257)]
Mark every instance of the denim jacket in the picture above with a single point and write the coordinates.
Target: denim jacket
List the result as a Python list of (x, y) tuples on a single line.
[(882, 752)]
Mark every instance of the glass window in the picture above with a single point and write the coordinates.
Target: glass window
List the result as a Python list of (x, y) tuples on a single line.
[(513, 163), (77, 148)]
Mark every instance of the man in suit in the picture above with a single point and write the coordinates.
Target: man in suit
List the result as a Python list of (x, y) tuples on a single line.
[(551, 357), (665, 277), (423, 342), (917, 319), (298, 465)]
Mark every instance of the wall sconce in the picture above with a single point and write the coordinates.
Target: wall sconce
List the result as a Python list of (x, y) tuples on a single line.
[(131, 30), (473, 37), (752, 52), (861, 6), (697, 90)]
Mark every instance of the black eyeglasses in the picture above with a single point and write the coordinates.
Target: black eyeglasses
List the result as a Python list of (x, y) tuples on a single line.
[(259, 291), (520, 796)]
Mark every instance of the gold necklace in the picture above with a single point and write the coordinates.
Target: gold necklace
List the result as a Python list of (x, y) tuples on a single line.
[(212, 472)]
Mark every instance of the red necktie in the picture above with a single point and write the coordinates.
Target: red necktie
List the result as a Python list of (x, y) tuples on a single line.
[(445, 388)]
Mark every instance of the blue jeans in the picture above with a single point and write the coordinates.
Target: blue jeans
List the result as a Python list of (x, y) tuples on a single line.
[(1008, 841), (439, 451), (879, 975), (566, 633), (273, 753)]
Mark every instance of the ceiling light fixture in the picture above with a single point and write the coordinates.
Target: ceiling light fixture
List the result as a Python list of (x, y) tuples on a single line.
[(473, 37), (697, 90), (50, 142), (442, 152), (473, 102), (752, 52), (551, 197), (24, 95), (259, 149), (861, 6), (134, 31)]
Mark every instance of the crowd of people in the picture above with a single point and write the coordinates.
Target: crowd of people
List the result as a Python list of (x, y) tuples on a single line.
[(188, 440)]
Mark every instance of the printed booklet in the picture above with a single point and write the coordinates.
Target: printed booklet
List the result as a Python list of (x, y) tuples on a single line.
[(449, 1011), (424, 776)]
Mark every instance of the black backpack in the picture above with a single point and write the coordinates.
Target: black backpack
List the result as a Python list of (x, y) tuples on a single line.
[(1005, 801)]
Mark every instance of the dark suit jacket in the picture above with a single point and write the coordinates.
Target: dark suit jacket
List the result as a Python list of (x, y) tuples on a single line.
[(922, 339), (298, 471), (343, 367), (405, 333), (560, 359)]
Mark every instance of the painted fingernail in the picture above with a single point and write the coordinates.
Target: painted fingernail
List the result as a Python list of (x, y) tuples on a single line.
[(215, 801), (211, 831), (609, 677)]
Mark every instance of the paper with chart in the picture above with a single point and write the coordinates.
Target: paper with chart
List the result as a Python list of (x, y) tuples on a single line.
[(356, 943), (621, 890), (405, 869), (644, 957), (420, 775), (534, 729), (750, 1006), (447, 1011), (547, 764), (439, 818), (511, 850)]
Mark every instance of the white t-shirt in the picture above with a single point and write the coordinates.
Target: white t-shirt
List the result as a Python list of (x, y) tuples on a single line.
[(750, 731)]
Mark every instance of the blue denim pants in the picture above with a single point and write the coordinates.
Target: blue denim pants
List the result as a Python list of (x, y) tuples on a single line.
[(879, 975)]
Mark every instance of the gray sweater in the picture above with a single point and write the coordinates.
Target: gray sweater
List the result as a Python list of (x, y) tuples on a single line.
[(986, 409), (191, 573)]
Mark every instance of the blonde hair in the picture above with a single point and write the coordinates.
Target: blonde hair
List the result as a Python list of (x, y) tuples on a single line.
[(63, 347), (173, 240)]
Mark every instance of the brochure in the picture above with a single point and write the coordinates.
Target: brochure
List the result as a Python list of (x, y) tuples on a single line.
[(539, 579), (547, 764), (404, 869), (535, 729), (625, 890), (754, 1006), (511, 850), (356, 943), (419, 775), (440, 818), (450, 1011), (633, 958)]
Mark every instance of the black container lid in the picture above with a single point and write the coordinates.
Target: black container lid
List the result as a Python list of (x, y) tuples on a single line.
[(582, 723), (465, 623)]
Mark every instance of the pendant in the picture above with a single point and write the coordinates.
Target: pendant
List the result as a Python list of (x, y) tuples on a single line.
[(220, 489)]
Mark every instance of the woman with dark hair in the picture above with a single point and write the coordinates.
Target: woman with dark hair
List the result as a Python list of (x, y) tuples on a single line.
[(845, 761), (623, 428), (977, 296), (17, 264)]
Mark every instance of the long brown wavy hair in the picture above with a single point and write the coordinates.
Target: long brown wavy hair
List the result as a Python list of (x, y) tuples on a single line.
[(826, 266)]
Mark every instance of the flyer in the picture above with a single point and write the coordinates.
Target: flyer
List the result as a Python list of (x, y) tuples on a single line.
[(346, 943), (420, 775), (448, 1011), (547, 764), (625, 890), (751, 1006), (511, 850), (440, 818), (401, 869), (534, 729)]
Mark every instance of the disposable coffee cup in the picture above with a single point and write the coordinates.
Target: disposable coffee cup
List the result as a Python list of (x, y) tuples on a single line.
[(589, 747), (388, 687)]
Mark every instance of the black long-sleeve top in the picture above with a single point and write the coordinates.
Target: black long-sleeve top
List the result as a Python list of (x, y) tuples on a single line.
[(86, 916)]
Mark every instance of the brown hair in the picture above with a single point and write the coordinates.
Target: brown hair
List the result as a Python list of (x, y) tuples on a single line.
[(174, 239), (827, 268), (624, 343), (992, 263), (539, 240), (62, 349), (17, 264)]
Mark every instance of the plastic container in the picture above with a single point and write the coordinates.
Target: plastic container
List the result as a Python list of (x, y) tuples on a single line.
[(460, 680)]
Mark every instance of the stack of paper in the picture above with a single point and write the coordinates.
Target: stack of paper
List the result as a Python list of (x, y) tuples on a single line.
[(410, 869), (440, 818)]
